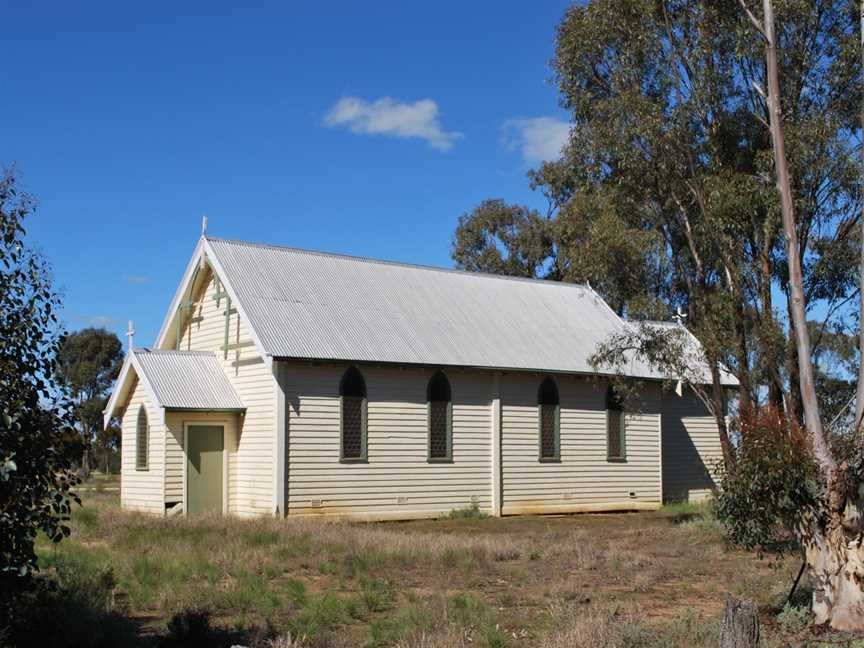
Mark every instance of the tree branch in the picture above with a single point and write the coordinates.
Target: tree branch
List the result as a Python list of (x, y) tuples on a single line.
[(753, 19)]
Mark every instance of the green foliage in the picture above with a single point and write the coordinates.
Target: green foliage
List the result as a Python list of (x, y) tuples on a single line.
[(87, 363), (35, 479), (503, 239), (792, 619), (72, 607), (772, 488), (471, 512), (663, 196)]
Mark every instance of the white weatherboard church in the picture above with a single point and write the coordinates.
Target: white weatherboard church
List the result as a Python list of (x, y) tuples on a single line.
[(291, 382)]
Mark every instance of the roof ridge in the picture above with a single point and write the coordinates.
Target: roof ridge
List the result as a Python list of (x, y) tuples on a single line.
[(403, 264), (151, 351)]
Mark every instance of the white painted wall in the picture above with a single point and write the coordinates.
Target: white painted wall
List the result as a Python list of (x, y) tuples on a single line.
[(584, 480), (691, 448), (250, 468), (397, 481), (142, 490)]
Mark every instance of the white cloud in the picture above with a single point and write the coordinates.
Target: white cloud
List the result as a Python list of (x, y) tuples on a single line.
[(137, 279), (538, 139), (98, 320), (387, 116)]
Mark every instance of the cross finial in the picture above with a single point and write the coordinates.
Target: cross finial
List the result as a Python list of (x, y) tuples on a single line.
[(204, 225), (130, 333)]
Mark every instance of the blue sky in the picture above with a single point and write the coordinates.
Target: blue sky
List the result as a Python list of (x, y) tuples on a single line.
[(364, 128)]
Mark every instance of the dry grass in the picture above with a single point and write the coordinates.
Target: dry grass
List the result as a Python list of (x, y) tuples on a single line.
[(591, 580)]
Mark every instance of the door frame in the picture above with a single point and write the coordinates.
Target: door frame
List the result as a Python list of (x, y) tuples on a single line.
[(223, 423)]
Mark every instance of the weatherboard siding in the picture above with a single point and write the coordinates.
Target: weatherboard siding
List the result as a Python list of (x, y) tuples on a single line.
[(691, 448), (584, 479), (397, 481), (250, 466), (142, 490)]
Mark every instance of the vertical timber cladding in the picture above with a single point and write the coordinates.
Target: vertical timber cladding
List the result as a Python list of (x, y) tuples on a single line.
[(583, 479), (250, 461), (398, 479)]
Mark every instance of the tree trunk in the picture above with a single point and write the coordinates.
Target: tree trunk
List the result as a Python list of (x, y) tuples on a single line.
[(859, 393), (795, 404), (85, 463), (775, 382), (743, 356), (718, 399), (834, 552), (833, 537), (812, 418), (740, 627)]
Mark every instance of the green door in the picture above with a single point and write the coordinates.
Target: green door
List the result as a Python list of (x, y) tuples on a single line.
[(204, 468)]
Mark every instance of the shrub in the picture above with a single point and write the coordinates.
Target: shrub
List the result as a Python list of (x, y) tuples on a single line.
[(793, 619), (36, 479), (471, 512), (771, 488), (73, 607), (190, 627)]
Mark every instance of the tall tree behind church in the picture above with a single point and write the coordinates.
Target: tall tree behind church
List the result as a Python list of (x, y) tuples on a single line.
[(87, 365), (664, 196)]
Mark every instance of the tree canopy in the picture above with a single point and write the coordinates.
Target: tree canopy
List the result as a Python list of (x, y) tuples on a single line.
[(664, 196), (87, 363), (712, 166)]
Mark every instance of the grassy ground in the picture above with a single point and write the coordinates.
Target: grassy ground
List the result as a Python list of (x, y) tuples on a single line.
[(655, 579)]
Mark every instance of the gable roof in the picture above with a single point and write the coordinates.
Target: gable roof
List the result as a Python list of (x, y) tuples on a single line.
[(302, 304), (188, 380)]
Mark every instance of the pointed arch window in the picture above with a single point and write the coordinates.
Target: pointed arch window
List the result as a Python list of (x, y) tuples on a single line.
[(616, 447), (352, 405), (142, 433), (549, 421), (439, 404)]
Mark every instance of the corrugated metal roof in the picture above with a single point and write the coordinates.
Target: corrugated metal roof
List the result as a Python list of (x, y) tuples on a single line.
[(311, 305), (187, 380), (693, 353)]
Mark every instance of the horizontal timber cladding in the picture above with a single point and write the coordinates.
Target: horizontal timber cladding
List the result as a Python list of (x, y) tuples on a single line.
[(691, 448), (142, 490), (397, 481), (584, 479), (250, 465)]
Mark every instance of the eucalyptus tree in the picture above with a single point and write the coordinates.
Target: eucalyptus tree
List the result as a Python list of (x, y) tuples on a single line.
[(663, 197), (87, 363), (830, 526), (35, 479), (669, 177)]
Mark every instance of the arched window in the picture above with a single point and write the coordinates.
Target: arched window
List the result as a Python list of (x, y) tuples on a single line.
[(549, 421), (352, 397), (142, 432), (615, 426), (440, 416)]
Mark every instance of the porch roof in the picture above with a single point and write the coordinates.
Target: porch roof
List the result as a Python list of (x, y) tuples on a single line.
[(179, 380)]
